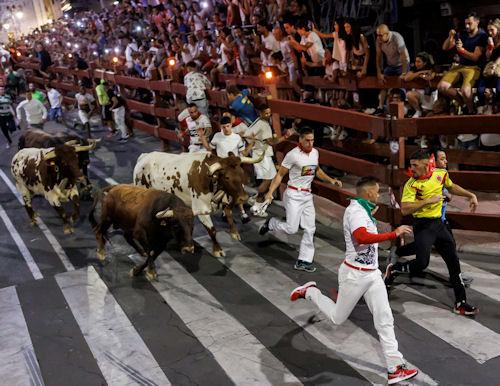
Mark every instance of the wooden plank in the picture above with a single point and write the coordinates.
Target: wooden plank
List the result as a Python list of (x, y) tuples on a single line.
[(141, 107), (166, 112)]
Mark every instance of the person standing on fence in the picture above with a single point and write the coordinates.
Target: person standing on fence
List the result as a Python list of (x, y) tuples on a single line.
[(197, 85), (359, 276), (7, 116), (302, 165), (36, 113), (423, 199), (85, 102), (195, 121), (118, 109)]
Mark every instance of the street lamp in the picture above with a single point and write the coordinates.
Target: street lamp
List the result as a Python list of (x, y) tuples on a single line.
[(19, 14)]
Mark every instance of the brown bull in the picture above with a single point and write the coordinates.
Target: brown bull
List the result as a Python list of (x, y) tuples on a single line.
[(149, 218)]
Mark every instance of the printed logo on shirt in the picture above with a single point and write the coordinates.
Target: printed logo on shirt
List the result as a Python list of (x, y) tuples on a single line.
[(309, 170), (366, 257)]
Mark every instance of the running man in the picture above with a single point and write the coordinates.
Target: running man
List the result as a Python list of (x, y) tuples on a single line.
[(302, 164), (359, 276)]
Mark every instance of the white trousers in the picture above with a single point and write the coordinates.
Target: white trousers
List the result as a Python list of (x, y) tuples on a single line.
[(299, 208), (119, 118), (353, 285), (84, 116)]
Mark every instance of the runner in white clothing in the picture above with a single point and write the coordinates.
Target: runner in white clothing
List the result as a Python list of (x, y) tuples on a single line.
[(359, 276), (195, 121), (302, 165)]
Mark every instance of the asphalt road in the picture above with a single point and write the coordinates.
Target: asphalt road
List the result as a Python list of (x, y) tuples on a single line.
[(67, 319)]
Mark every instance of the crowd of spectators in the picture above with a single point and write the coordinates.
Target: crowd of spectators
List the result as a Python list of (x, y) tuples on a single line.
[(194, 42)]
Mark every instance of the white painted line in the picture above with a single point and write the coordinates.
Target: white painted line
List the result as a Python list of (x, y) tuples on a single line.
[(103, 176), (58, 249), (331, 257), (464, 334), (245, 360), (484, 281), (35, 271), (18, 365), (120, 352)]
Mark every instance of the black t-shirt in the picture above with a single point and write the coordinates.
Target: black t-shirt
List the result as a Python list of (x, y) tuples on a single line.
[(112, 94), (45, 60), (495, 54), (480, 39), (81, 64)]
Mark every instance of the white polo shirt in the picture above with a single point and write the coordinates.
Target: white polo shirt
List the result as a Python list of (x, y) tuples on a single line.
[(302, 167), (359, 255), (223, 144), (202, 122)]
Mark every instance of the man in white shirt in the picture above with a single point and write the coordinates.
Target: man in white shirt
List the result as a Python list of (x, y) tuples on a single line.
[(302, 165), (55, 100), (129, 50), (86, 107), (267, 44), (195, 121), (196, 86), (359, 276), (36, 113)]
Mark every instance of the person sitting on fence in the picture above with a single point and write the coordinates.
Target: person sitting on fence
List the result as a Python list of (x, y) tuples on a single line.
[(470, 47), (491, 73), (421, 100), (391, 45), (195, 121), (339, 53), (197, 85), (311, 44)]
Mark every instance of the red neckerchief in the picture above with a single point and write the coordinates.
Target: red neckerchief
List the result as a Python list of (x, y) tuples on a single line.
[(237, 121), (304, 150), (430, 169)]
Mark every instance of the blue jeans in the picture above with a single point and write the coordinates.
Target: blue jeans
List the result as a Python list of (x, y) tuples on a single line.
[(55, 113)]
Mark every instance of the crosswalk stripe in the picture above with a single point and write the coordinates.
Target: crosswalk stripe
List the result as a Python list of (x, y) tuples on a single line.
[(18, 365), (118, 349), (237, 351), (465, 334), (484, 281), (331, 257), (275, 287), (33, 267), (41, 224)]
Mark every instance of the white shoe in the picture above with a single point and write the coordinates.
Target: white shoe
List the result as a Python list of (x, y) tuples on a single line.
[(417, 114), (252, 200)]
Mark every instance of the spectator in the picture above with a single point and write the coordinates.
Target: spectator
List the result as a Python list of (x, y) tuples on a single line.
[(470, 48), (7, 116), (421, 99), (44, 57), (195, 121), (339, 53), (241, 105), (36, 113), (358, 50), (266, 43), (391, 45), (197, 85), (85, 103), (55, 101), (310, 43), (491, 71), (289, 57)]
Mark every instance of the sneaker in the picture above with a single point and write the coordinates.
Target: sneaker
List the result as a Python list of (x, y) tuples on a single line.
[(465, 309), (300, 292), (401, 374), (304, 266), (417, 114), (467, 279), (389, 275), (123, 139), (245, 218), (264, 228), (252, 200), (378, 111)]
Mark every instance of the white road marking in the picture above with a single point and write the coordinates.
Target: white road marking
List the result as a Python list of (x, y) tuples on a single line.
[(41, 225), (120, 352), (18, 365)]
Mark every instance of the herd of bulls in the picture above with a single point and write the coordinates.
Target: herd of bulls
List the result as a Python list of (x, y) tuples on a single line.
[(169, 191)]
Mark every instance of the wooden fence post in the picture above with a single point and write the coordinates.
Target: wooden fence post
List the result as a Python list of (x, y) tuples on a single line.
[(396, 109)]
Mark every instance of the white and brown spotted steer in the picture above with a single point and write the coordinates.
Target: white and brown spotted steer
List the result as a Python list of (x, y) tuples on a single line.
[(200, 180)]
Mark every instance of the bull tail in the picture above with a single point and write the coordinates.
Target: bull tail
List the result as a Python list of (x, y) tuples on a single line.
[(97, 199)]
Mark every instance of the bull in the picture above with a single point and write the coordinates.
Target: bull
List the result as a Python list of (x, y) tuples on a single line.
[(200, 180), (43, 140), (52, 173), (148, 218)]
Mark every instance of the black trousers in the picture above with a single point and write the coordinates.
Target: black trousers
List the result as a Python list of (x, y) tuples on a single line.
[(429, 233), (410, 249), (7, 125)]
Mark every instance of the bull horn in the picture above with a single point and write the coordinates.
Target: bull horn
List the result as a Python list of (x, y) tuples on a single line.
[(213, 168), (206, 213), (167, 213), (49, 155), (71, 142), (254, 160), (90, 146), (63, 183)]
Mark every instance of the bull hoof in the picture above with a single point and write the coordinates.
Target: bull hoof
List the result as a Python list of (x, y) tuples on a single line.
[(134, 272), (33, 223), (68, 229), (236, 236), (101, 255), (189, 249), (219, 253), (152, 275)]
